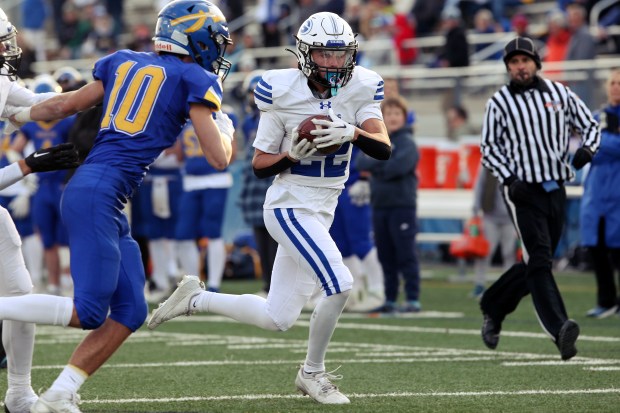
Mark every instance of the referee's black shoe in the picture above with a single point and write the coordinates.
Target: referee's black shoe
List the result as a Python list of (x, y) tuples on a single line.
[(567, 338), (490, 332)]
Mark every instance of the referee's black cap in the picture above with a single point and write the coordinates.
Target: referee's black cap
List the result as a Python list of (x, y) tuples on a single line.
[(521, 45)]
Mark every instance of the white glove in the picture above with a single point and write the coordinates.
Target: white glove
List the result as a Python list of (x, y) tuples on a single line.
[(335, 132), (359, 193), (302, 149), (224, 124), (20, 206)]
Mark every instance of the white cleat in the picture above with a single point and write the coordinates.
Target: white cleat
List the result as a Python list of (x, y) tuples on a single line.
[(57, 402), (319, 387), (178, 303), (19, 402)]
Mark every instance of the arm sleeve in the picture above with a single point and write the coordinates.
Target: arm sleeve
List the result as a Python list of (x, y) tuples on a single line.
[(282, 165), (373, 148), (10, 174)]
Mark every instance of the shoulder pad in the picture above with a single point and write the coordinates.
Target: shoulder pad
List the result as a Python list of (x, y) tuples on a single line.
[(272, 85)]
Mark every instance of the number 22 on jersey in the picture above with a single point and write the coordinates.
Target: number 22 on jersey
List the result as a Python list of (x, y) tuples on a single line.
[(130, 110)]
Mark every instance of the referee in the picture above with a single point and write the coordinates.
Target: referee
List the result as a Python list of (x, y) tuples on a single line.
[(525, 138)]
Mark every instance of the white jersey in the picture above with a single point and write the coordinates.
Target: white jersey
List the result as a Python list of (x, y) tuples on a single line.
[(285, 100)]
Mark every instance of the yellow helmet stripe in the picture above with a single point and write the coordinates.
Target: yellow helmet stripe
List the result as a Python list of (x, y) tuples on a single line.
[(200, 18)]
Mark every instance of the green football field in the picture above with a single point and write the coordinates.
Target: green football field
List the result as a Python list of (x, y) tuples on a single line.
[(433, 361)]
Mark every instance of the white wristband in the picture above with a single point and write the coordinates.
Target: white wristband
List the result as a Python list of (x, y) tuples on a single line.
[(23, 116)]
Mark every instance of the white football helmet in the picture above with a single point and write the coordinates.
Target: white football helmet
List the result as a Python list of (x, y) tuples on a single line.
[(330, 33), (10, 54)]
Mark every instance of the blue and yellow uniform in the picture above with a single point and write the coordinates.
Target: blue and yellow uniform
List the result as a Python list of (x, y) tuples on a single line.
[(205, 189), (146, 103), (46, 201)]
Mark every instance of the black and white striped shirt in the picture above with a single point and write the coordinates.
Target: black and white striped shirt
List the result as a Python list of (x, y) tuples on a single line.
[(526, 134)]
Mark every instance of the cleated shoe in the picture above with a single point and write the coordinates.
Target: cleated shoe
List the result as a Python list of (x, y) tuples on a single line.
[(19, 402), (57, 402), (178, 303), (490, 332), (319, 387), (567, 338), (602, 312)]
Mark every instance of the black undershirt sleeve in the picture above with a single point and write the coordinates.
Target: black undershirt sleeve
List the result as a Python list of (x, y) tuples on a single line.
[(373, 148), (274, 169)]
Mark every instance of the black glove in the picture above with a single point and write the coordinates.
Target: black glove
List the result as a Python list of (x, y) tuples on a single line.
[(582, 157), (63, 156)]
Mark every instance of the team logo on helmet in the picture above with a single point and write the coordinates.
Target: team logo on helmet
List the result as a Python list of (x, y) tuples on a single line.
[(306, 27), (200, 17)]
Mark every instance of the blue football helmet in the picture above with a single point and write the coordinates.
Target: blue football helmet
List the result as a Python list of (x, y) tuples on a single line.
[(195, 28), (45, 84)]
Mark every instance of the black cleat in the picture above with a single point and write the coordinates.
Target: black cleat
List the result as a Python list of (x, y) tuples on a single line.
[(490, 332), (567, 338)]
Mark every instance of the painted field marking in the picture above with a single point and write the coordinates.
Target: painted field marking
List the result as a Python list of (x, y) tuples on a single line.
[(357, 396)]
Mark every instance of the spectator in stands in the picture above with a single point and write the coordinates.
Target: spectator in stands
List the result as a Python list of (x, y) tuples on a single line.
[(393, 189), (427, 15), (101, 40), (74, 31), (520, 25), (497, 226), (600, 219), (404, 30), (115, 10), (558, 37), (141, 39), (582, 46), (34, 16), (376, 24), (455, 52), (268, 15), (484, 23), (457, 119)]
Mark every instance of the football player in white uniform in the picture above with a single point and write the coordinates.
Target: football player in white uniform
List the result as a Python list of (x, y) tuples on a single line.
[(299, 206), (17, 336)]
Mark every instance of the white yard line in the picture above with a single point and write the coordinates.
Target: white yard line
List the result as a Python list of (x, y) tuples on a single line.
[(357, 396)]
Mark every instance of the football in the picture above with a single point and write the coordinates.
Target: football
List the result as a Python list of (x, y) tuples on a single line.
[(306, 126)]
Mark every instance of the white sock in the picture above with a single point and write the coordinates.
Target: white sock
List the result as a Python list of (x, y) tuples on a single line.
[(189, 257), (159, 253), (246, 308), (322, 325), (32, 249), (37, 308), (216, 261), (373, 270), (70, 379), (18, 341), (359, 283)]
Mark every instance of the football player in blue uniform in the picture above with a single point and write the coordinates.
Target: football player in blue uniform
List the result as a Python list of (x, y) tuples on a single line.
[(46, 200), (201, 211), (147, 98), (299, 206)]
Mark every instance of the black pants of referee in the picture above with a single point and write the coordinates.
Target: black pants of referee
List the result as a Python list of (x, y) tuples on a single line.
[(539, 218)]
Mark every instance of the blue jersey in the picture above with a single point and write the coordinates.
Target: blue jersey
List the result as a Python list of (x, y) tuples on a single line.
[(138, 85), (47, 134), (195, 161)]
